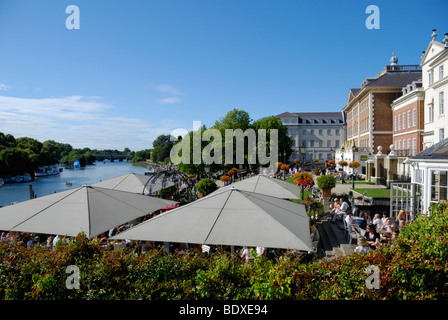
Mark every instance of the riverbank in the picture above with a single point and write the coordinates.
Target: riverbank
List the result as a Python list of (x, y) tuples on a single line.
[(67, 179)]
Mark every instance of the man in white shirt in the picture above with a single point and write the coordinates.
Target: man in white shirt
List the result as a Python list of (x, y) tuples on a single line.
[(341, 212), (349, 218)]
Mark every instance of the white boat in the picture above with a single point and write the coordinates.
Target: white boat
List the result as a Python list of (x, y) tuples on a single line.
[(47, 171), (16, 179)]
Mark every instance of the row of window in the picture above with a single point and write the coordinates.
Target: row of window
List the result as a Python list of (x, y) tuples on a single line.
[(319, 143), (309, 157), (320, 131), (441, 107), (310, 121), (431, 75), (404, 148), (409, 119)]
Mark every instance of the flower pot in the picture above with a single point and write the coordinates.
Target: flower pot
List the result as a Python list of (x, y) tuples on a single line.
[(326, 193)]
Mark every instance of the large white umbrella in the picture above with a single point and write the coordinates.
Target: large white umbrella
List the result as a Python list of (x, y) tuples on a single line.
[(87, 209), (231, 217), (133, 182), (266, 185)]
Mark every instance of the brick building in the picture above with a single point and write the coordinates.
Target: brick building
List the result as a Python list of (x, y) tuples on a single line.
[(369, 112), (408, 116)]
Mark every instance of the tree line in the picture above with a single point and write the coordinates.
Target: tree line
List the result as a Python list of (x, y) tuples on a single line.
[(24, 155)]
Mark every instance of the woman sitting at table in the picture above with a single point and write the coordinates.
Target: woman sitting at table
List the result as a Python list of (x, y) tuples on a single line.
[(372, 237)]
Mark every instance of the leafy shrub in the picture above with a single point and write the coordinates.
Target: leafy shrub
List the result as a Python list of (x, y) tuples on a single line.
[(327, 181), (414, 267), (206, 186)]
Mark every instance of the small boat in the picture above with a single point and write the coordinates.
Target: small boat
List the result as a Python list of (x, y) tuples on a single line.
[(16, 179), (47, 171), (68, 184), (2, 182)]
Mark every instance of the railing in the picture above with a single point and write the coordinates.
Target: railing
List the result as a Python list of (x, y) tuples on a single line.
[(399, 68)]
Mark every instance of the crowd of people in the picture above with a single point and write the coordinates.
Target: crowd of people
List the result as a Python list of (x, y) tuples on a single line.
[(376, 231)]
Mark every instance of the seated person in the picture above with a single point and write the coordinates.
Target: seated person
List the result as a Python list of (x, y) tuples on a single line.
[(377, 222), (360, 221), (386, 228), (349, 218), (372, 237), (363, 246), (343, 210)]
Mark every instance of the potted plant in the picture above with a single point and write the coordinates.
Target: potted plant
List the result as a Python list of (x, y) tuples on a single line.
[(302, 179), (225, 179), (326, 183), (205, 187), (342, 163), (354, 164)]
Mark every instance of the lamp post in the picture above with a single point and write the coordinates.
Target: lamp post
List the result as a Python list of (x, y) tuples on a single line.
[(354, 149), (303, 152)]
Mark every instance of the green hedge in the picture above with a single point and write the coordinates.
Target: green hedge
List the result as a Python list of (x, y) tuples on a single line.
[(415, 267)]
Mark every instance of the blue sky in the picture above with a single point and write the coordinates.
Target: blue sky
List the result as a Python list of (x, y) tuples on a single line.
[(140, 68)]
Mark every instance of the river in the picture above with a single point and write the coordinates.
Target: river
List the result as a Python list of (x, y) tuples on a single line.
[(17, 192)]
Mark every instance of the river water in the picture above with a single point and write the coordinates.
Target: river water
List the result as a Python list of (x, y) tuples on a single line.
[(100, 171)]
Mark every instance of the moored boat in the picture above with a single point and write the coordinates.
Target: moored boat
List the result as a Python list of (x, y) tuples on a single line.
[(47, 171)]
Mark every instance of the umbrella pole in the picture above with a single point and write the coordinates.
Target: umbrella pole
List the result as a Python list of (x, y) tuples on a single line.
[(232, 250)]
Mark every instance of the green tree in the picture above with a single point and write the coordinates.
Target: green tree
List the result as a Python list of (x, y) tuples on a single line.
[(29, 143), (13, 161), (50, 153), (284, 141), (234, 119), (162, 147)]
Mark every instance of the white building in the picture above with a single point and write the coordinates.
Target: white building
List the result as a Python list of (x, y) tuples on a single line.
[(320, 132), (435, 83), (430, 167)]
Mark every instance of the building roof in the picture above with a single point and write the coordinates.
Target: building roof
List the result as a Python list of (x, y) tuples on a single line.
[(440, 56), (439, 151), (314, 115), (395, 79), (354, 91), (391, 76), (287, 114)]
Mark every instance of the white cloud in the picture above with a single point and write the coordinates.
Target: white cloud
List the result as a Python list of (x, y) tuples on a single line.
[(167, 88), (4, 87), (169, 100), (77, 120)]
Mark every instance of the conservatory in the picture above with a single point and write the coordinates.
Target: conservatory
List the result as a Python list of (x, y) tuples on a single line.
[(429, 173)]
